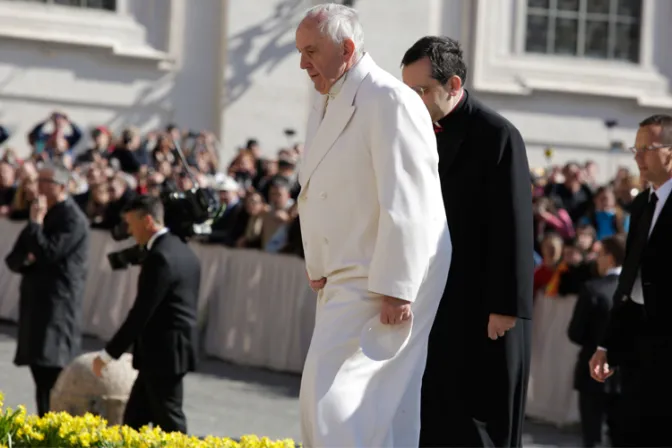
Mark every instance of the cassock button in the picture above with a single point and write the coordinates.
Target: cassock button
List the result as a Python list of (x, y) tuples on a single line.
[(323, 195)]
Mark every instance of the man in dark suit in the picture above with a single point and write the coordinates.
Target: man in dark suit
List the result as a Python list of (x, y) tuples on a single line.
[(51, 254), (162, 324), (589, 321), (638, 338), (475, 382)]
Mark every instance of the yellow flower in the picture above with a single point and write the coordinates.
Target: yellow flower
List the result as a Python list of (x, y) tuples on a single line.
[(91, 430)]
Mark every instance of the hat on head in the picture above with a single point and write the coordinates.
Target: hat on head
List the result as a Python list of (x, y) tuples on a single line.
[(227, 184)]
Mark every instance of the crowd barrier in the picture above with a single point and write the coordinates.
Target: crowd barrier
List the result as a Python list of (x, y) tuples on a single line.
[(258, 310), (551, 396)]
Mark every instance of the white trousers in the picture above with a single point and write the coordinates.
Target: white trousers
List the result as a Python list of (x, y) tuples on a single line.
[(349, 400)]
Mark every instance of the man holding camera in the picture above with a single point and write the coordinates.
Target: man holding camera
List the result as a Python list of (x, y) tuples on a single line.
[(162, 324)]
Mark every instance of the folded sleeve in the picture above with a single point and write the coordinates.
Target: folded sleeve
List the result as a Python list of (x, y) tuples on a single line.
[(405, 165)]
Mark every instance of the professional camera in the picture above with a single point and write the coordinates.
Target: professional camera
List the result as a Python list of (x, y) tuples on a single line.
[(186, 214)]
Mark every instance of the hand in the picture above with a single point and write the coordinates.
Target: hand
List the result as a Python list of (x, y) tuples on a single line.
[(98, 366), (30, 258), (395, 311), (498, 325), (599, 368), (316, 285), (4, 210), (38, 209)]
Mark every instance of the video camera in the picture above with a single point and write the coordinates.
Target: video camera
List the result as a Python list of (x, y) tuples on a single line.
[(184, 215)]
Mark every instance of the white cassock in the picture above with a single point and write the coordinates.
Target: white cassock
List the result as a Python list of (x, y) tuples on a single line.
[(373, 223)]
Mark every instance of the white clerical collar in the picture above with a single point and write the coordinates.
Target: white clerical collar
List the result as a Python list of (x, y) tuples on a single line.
[(153, 238), (662, 192), (336, 88), (615, 271)]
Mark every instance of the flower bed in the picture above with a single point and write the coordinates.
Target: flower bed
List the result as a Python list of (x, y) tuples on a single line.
[(18, 429)]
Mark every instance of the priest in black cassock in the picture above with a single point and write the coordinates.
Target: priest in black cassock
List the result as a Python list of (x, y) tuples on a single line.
[(475, 383)]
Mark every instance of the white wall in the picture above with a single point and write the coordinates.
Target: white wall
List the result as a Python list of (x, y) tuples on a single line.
[(231, 66)]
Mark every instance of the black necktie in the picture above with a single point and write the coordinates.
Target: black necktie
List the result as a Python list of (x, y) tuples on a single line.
[(637, 246)]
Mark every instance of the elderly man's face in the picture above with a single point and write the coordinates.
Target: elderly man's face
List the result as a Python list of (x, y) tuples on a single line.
[(324, 60)]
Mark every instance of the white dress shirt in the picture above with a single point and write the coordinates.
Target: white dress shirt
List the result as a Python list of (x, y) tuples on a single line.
[(615, 271), (106, 357)]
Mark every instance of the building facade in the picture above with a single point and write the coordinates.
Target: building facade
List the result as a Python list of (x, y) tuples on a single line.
[(558, 69)]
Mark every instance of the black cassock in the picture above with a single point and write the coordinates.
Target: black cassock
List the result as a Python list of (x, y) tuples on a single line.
[(474, 389)]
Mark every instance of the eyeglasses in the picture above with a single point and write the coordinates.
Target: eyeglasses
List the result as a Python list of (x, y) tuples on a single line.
[(654, 147)]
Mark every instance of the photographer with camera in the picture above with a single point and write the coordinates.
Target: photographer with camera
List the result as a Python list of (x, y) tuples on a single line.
[(162, 324)]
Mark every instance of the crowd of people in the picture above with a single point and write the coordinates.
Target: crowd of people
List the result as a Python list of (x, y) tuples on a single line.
[(573, 213), (257, 195)]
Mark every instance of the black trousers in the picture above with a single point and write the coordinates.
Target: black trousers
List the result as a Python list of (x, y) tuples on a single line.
[(595, 407), (44, 378), (157, 399)]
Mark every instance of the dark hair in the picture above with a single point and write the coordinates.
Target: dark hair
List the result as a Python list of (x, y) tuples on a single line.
[(445, 55), (615, 246), (664, 121), (146, 205), (278, 181)]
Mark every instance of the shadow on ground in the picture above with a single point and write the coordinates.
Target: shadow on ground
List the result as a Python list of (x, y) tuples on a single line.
[(277, 383)]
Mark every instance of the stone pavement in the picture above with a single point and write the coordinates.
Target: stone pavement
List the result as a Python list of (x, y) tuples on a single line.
[(228, 400)]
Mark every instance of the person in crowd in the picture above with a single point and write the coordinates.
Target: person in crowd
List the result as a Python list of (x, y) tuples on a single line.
[(26, 193), (129, 152), (547, 217), (62, 138), (100, 150), (256, 209), (162, 324), (377, 244), (51, 254), (574, 195), (231, 220), (475, 383), (597, 401), (552, 249), (605, 217), (638, 337)]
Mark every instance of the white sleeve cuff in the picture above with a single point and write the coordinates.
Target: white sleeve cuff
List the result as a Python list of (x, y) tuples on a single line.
[(602, 349), (105, 357)]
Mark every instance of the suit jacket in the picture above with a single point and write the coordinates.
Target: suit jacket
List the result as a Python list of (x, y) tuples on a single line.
[(52, 288), (629, 323), (370, 203), (162, 325), (587, 327), (482, 155)]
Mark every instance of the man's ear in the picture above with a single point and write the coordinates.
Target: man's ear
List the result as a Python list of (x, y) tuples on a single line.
[(348, 48), (454, 85)]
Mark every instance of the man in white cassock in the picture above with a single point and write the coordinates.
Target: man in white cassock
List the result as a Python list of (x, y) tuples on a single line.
[(377, 245)]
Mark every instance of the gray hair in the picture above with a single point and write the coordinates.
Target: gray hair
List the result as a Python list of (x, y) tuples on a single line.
[(61, 175), (338, 22)]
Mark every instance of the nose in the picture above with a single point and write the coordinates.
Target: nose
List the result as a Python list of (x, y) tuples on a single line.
[(304, 62)]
